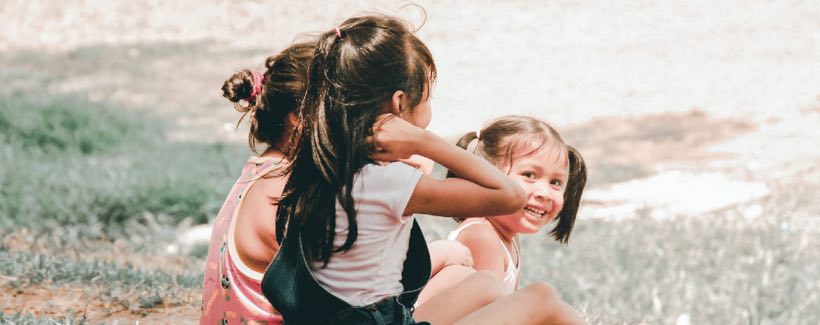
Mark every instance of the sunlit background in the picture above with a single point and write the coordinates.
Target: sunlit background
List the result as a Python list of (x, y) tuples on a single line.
[(698, 119)]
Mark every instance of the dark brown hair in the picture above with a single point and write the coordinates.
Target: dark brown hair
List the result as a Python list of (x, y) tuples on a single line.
[(354, 73), (282, 91), (512, 137)]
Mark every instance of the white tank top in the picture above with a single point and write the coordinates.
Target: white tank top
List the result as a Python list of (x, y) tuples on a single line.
[(511, 274)]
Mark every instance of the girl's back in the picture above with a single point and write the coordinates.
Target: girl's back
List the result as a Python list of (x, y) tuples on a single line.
[(231, 290), (243, 239)]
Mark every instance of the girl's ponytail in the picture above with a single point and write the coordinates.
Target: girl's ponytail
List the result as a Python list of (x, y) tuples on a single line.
[(320, 94), (317, 161), (572, 196)]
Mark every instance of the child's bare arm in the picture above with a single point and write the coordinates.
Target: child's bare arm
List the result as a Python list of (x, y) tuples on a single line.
[(423, 164), (481, 190), (485, 248)]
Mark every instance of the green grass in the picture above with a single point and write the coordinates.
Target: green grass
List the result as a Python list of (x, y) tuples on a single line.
[(69, 162), (81, 176), (28, 319), (44, 128), (717, 269), (120, 287), (47, 269)]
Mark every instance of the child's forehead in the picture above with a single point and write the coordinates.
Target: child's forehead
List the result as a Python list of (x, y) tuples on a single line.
[(548, 154)]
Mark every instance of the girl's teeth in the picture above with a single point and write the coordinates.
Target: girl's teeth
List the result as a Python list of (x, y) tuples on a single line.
[(534, 212)]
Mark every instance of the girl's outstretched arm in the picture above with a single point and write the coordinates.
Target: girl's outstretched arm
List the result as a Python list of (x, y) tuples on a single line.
[(481, 190)]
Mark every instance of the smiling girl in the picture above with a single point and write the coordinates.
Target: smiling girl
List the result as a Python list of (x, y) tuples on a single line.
[(553, 175)]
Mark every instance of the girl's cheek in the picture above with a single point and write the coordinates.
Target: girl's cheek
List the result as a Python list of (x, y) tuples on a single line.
[(557, 205)]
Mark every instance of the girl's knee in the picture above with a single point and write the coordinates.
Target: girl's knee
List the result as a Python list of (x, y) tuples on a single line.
[(542, 291), (552, 309), (491, 287)]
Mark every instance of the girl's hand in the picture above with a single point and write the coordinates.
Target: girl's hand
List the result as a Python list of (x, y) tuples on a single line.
[(394, 138), (421, 163)]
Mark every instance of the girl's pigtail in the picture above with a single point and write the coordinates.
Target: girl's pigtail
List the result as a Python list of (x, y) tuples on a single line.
[(464, 143), (572, 196)]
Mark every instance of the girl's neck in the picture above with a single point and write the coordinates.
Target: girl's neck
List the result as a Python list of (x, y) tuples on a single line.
[(505, 234), (273, 152), (278, 148)]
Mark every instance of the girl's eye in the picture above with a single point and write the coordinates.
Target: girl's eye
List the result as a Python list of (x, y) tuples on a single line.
[(556, 182), (529, 175)]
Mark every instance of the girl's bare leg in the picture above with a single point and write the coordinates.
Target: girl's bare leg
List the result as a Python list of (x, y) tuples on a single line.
[(443, 280), (538, 303), (455, 300)]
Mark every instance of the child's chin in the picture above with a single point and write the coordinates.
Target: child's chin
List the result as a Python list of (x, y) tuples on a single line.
[(530, 230), (532, 225)]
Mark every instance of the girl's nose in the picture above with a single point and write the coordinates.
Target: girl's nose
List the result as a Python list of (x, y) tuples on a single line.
[(542, 191)]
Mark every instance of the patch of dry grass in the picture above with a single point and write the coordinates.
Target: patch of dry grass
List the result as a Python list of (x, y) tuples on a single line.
[(715, 269)]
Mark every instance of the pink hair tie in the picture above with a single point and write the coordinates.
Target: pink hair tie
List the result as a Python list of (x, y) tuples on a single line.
[(257, 85), (338, 32)]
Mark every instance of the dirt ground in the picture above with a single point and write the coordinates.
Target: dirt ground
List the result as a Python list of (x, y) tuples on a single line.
[(724, 93), (55, 302)]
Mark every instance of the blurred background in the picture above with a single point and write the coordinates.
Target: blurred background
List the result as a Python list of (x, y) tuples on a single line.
[(698, 120)]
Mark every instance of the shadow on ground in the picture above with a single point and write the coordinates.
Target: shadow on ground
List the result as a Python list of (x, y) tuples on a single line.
[(622, 148)]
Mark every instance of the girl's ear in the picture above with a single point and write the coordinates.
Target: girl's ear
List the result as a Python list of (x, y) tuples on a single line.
[(397, 103), (293, 118)]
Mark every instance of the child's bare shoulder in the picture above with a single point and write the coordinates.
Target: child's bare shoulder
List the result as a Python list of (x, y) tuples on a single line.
[(479, 233), (483, 242)]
